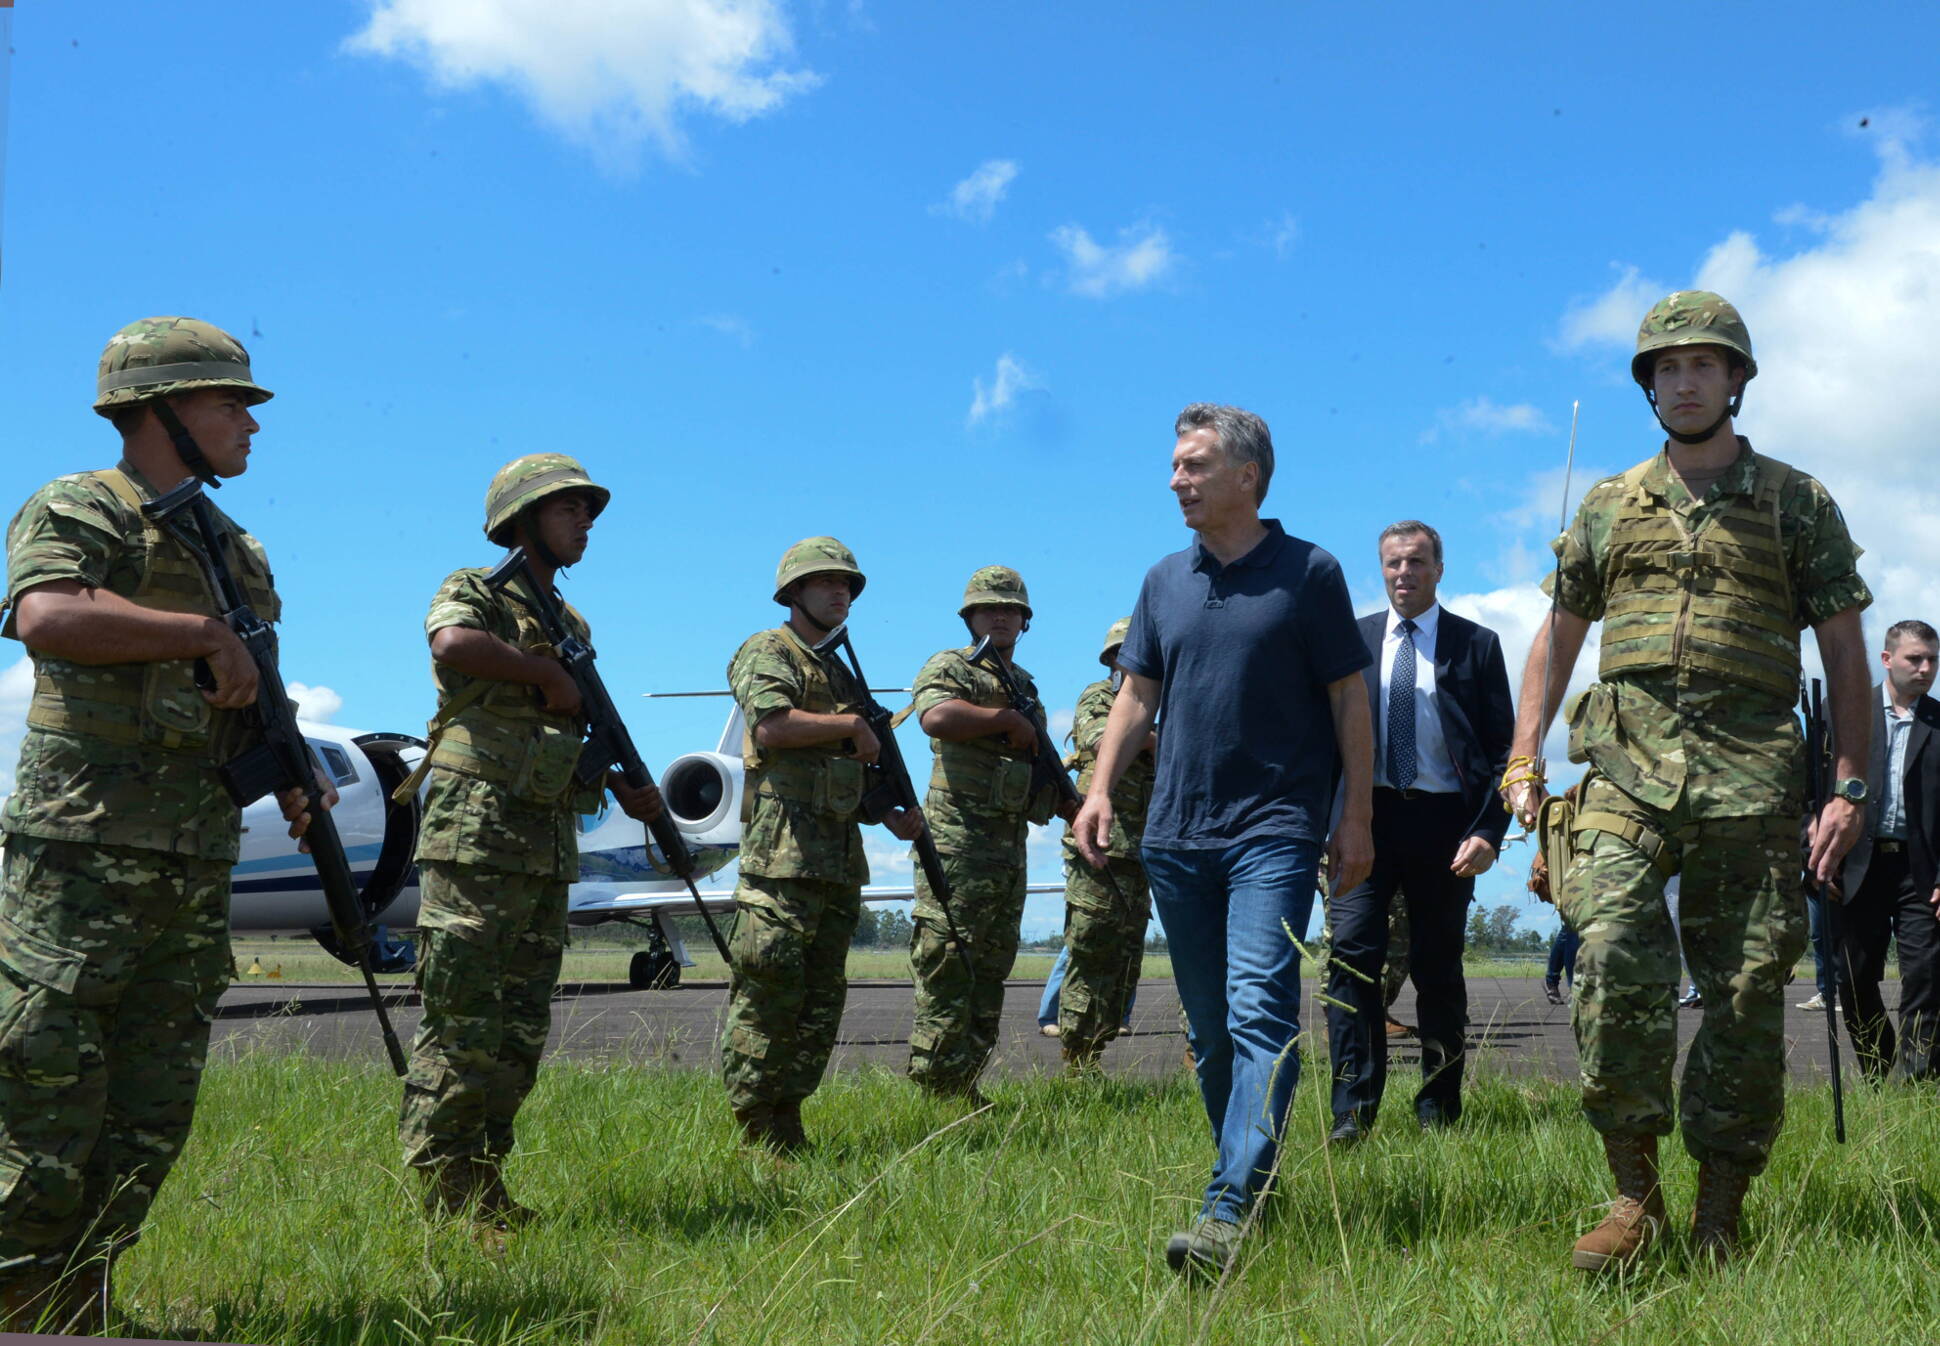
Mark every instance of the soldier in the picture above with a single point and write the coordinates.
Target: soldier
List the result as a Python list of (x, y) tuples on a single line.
[(1703, 563), (1106, 938), (114, 914), (497, 848), (802, 863), (982, 794)]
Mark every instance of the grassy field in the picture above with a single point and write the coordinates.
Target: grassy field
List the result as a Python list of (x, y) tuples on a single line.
[(1040, 1220)]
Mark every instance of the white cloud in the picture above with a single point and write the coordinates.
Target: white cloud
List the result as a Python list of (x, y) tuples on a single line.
[(1282, 234), (318, 703), (1612, 316), (734, 328), (977, 196), (608, 73), (16, 689), (1142, 255), (1483, 415), (1010, 379)]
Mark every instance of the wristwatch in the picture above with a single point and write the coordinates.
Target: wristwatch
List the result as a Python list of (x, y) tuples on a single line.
[(1851, 789)]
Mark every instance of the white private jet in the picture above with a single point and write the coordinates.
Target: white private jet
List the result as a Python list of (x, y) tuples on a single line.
[(275, 890)]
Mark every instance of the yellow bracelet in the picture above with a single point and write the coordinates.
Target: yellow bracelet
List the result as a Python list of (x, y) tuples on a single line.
[(1534, 774)]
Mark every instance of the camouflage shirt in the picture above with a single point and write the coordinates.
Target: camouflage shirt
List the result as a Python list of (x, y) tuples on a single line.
[(469, 819), (1133, 794), (980, 797), (790, 826), (77, 786), (1665, 733)]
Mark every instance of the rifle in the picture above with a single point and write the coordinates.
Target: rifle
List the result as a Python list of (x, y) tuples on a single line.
[(282, 759), (893, 789), (608, 744), (1047, 768), (1817, 744)]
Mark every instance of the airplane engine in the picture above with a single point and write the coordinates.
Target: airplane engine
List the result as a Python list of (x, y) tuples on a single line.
[(703, 793)]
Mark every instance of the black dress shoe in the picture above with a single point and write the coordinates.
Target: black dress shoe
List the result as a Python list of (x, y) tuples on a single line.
[(1347, 1132), (1435, 1117)]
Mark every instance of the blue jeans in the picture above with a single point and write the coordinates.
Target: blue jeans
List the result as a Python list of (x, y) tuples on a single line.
[(1047, 1008), (1226, 915)]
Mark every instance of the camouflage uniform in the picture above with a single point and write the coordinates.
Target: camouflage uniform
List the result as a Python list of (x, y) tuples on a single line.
[(979, 804), (800, 890), (497, 851), (114, 909), (1696, 756), (1106, 937)]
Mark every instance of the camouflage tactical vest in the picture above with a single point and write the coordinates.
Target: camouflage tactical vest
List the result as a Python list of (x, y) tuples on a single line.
[(1718, 601), (821, 775), (501, 732), (987, 775), (155, 705)]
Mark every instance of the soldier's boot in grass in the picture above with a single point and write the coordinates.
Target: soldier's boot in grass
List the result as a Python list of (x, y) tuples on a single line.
[(495, 1201), (456, 1189), (1714, 1220), (1207, 1249), (1081, 1060), (785, 1132), (1637, 1215), (27, 1301), (757, 1123)]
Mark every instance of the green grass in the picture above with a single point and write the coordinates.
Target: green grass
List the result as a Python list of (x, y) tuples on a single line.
[(1041, 1220)]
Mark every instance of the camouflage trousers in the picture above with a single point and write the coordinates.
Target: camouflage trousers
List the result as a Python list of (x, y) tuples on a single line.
[(1744, 927), (957, 1016), (112, 959), (791, 947), (1107, 943), (488, 959)]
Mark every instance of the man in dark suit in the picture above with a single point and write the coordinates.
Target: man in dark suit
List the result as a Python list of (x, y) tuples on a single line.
[(1889, 875), (1443, 720)]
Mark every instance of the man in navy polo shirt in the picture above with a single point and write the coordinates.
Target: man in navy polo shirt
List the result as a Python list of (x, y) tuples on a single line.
[(1245, 643)]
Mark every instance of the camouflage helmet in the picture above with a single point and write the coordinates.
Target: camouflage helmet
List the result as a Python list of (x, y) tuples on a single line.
[(995, 586), (526, 481), (158, 357), (1690, 318), (816, 556), (1113, 639)]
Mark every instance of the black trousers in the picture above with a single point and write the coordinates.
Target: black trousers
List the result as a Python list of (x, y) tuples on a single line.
[(1414, 843), (1889, 906)]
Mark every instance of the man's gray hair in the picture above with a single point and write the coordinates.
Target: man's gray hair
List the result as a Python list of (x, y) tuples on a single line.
[(1409, 528), (1242, 435)]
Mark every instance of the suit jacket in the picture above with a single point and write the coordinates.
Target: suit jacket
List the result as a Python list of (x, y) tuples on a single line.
[(1477, 713), (1921, 785)]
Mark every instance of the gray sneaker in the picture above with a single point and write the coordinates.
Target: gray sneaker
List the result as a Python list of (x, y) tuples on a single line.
[(1206, 1249)]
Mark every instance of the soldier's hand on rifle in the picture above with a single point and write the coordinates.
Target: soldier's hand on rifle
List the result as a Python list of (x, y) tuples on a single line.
[(1091, 829), (642, 805), (232, 668), (904, 824), (1019, 732), (561, 693), (295, 805), (1068, 809), (867, 746)]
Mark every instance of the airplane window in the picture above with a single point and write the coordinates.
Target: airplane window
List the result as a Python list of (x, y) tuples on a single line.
[(336, 762)]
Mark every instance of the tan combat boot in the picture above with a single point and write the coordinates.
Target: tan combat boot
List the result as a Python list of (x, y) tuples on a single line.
[(1081, 1060), (1637, 1215), (1714, 1221), (785, 1133), (494, 1200), (457, 1189)]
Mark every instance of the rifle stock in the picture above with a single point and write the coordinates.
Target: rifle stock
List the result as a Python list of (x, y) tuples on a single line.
[(608, 745), (282, 759)]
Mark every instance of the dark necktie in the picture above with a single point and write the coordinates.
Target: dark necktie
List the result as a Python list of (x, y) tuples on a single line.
[(1401, 711)]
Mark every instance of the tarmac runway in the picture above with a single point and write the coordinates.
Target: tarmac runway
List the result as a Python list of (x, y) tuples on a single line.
[(1513, 1029)]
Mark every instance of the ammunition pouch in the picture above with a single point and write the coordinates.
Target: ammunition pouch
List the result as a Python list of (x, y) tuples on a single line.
[(826, 784), (990, 782)]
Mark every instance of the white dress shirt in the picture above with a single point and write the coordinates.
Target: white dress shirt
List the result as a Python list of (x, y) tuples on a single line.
[(1435, 770)]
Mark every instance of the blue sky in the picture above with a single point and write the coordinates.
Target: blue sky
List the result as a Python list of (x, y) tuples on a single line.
[(936, 279)]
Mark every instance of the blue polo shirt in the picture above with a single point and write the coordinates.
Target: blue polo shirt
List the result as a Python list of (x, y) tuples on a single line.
[(1243, 654)]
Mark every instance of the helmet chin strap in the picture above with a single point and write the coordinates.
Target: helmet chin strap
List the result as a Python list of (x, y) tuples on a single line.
[(1704, 435), (536, 544), (186, 448)]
